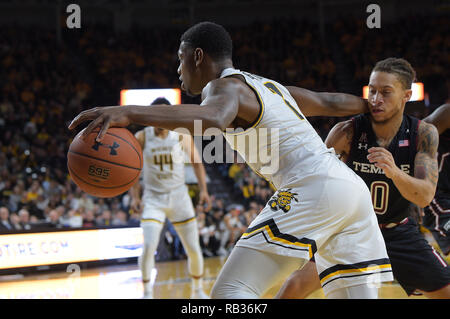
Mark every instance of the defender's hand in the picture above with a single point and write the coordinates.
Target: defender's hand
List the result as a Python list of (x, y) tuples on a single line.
[(383, 159), (103, 117)]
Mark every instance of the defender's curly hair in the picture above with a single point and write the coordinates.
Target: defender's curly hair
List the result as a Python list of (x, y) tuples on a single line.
[(400, 67)]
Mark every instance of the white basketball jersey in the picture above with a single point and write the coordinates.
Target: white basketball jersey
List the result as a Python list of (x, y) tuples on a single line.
[(281, 145), (163, 161)]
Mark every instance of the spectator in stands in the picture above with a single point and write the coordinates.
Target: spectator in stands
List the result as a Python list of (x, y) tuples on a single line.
[(120, 218), (24, 219), (34, 191), (41, 205), (53, 219), (5, 223), (102, 205), (134, 219), (85, 202), (15, 198), (105, 218), (6, 188), (89, 219), (15, 221), (72, 218)]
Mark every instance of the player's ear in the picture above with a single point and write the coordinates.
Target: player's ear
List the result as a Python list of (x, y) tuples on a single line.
[(198, 56), (407, 95)]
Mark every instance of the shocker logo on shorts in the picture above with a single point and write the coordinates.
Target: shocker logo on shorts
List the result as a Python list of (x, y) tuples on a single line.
[(282, 200)]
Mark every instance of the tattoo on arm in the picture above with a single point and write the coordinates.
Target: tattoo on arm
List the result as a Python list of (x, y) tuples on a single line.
[(426, 165)]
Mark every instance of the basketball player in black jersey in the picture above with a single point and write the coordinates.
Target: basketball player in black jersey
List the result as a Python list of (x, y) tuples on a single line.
[(437, 214), (396, 155)]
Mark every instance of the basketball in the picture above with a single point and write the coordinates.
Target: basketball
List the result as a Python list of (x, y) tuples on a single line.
[(107, 168)]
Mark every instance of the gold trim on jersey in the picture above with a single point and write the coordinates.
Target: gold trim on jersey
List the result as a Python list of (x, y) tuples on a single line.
[(278, 238), (356, 270), (261, 111), (278, 92)]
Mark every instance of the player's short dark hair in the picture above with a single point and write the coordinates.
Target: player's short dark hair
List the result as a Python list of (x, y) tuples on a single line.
[(160, 100), (400, 67), (212, 38)]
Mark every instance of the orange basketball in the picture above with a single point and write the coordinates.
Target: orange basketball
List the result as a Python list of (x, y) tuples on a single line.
[(108, 168)]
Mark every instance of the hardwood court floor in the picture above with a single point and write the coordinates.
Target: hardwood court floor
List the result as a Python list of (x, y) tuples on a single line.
[(124, 282)]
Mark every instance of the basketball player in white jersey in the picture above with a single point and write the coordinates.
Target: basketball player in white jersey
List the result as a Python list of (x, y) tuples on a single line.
[(321, 208), (166, 195)]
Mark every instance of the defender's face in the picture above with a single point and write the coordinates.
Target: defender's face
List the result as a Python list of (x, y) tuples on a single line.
[(187, 70), (387, 97)]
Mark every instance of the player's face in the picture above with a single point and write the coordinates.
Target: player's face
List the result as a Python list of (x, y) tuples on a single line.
[(387, 97), (187, 70), (160, 131)]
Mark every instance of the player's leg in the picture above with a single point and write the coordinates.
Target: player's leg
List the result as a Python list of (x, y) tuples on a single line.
[(182, 216), (189, 236), (152, 223), (151, 231), (301, 283), (417, 266), (249, 273)]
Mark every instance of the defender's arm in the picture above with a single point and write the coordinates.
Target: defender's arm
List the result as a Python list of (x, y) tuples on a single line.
[(421, 188), (327, 104)]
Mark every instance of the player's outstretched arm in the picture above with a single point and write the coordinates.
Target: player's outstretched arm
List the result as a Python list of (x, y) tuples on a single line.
[(218, 109), (440, 118), (327, 104)]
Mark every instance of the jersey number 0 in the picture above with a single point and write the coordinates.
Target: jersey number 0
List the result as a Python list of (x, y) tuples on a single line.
[(380, 196)]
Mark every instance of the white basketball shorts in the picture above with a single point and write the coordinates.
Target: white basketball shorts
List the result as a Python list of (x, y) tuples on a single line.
[(329, 216), (176, 205)]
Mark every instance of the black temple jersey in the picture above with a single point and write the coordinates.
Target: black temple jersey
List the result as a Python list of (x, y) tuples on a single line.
[(443, 187), (388, 203)]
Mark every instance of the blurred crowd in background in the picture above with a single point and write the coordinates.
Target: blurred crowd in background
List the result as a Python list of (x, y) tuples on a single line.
[(44, 85)]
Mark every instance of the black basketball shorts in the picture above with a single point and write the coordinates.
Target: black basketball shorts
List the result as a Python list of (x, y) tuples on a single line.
[(415, 263)]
